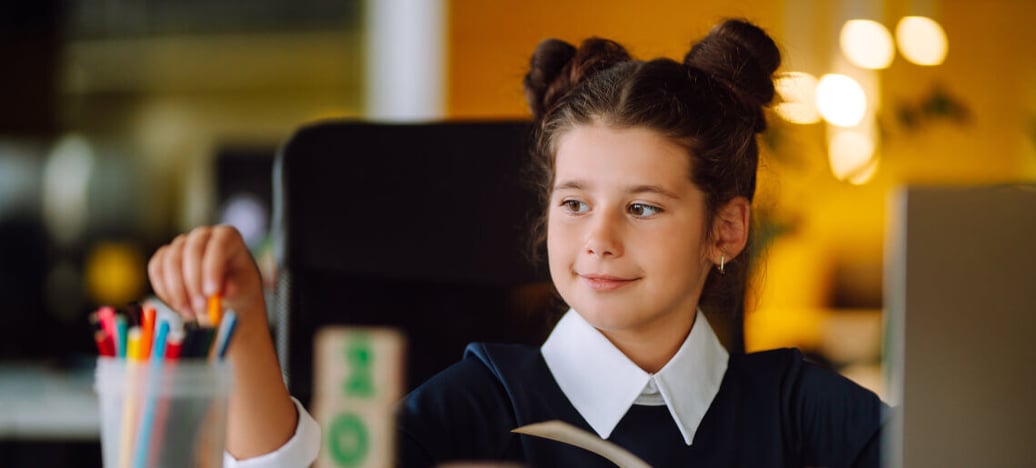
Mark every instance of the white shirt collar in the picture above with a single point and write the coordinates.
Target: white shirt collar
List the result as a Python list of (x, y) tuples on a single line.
[(602, 383)]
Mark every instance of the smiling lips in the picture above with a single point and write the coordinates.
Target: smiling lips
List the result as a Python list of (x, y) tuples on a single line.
[(604, 283)]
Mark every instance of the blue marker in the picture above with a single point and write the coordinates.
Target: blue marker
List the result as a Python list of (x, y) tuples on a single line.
[(148, 420), (226, 331)]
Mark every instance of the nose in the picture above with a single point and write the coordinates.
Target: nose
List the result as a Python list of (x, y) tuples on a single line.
[(604, 236)]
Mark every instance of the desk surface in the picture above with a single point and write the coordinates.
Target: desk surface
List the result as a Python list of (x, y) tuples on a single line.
[(41, 402)]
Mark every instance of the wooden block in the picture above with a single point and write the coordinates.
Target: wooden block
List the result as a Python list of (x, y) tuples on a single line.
[(355, 434), (358, 364)]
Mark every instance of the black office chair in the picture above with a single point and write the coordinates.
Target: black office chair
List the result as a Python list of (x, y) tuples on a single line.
[(421, 227)]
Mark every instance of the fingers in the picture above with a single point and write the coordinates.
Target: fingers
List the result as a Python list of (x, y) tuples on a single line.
[(155, 268), (173, 278), (206, 261), (194, 250), (224, 247)]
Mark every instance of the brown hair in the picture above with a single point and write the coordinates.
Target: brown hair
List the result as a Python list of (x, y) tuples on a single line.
[(711, 104)]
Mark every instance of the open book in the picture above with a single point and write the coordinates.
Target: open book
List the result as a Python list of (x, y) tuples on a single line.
[(569, 434)]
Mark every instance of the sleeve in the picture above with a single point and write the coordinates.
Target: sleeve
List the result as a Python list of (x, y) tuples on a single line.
[(839, 422), (460, 414), (299, 451)]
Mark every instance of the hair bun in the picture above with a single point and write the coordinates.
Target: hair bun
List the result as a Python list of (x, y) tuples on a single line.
[(547, 63), (742, 56), (557, 66)]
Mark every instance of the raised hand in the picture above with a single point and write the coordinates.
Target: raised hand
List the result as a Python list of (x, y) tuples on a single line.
[(208, 260)]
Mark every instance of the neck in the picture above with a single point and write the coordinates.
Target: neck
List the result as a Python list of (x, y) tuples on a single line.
[(652, 346)]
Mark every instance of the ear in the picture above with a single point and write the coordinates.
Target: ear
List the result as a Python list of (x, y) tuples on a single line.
[(730, 229)]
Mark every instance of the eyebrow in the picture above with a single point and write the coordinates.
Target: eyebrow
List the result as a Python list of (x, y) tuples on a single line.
[(635, 189), (569, 185)]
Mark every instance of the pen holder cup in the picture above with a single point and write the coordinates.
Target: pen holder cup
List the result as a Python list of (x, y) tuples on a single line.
[(165, 414)]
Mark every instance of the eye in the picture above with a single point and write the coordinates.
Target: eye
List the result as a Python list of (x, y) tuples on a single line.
[(575, 206), (642, 210)]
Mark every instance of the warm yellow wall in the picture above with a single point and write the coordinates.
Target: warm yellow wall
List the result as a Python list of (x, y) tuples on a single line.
[(991, 68), (490, 41)]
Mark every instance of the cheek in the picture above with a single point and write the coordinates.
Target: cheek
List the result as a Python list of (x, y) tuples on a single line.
[(557, 234), (563, 247), (680, 261), (555, 244)]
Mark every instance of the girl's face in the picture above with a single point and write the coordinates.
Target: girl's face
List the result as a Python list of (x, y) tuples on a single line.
[(625, 235)]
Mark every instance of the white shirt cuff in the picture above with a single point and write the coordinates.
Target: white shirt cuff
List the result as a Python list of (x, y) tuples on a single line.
[(299, 451)]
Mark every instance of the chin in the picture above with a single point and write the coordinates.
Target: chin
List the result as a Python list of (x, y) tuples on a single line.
[(610, 317)]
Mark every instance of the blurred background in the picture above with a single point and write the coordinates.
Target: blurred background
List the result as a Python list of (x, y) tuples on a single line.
[(125, 122)]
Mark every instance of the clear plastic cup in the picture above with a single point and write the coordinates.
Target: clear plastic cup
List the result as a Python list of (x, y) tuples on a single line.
[(172, 414)]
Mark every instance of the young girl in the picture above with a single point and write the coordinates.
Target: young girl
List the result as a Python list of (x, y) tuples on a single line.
[(648, 174), (648, 170)]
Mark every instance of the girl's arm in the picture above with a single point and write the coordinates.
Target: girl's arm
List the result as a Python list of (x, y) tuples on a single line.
[(261, 416)]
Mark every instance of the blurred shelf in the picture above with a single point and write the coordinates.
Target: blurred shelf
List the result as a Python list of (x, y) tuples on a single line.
[(40, 402)]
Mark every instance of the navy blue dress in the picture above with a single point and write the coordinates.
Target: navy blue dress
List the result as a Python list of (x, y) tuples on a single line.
[(772, 409)]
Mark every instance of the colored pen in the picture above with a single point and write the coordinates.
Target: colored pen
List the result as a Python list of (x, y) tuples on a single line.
[(133, 314), (215, 310), (147, 332), (201, 347), (120, 336), (175, 345), (106, 315), (226, 332), (133, 344), (105, 346), (147, 420), (158, 346)]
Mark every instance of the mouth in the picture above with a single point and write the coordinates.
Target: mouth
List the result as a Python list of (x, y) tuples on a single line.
[(604, 283)]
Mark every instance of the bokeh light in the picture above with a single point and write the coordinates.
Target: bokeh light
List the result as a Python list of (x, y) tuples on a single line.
[(921, 40), (115, 273), (841, 100), (798, 92), (247, 213), (66, 180), (851, 156), (867, 44), (866, 173)]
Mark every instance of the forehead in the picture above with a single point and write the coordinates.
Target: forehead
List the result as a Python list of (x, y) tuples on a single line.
[(628, 155)]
